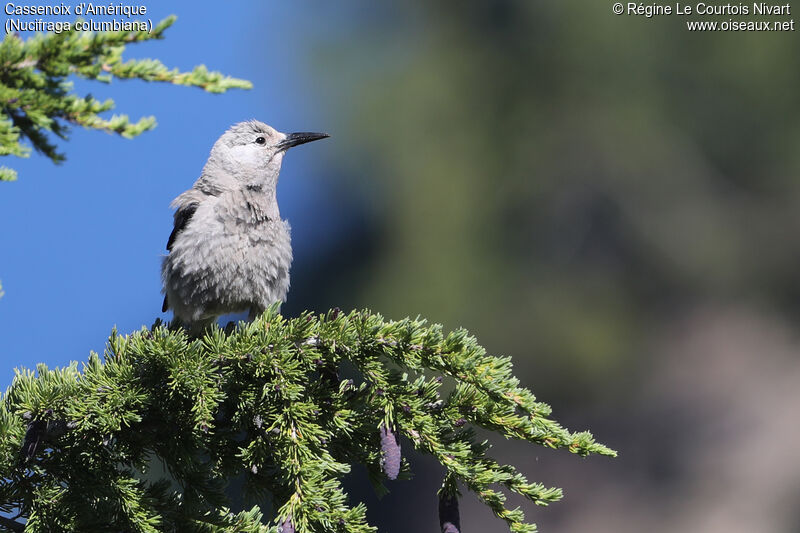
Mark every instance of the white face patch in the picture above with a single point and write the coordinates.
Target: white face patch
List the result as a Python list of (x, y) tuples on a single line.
[(250, 156)]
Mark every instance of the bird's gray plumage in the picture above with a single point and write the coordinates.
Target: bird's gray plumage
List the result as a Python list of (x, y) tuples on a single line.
[(230, 251)]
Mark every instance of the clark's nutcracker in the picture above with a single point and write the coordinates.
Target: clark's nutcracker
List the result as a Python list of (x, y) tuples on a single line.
[(229, 250)]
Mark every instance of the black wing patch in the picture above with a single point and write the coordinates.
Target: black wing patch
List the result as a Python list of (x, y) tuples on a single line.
[(182, 218)]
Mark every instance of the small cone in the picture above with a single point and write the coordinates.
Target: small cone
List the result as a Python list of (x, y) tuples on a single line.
[(287, 526), (390, 446)]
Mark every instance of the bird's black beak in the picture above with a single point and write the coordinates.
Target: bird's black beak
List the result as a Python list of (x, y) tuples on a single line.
[(302, 137)]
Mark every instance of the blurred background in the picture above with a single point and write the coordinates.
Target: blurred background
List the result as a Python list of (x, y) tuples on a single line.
[(613, 201)]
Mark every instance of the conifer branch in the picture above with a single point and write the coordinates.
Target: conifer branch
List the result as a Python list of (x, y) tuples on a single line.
[(265, 401), (37, 98)]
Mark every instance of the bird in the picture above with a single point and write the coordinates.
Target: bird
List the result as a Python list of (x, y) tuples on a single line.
[(229, 250)]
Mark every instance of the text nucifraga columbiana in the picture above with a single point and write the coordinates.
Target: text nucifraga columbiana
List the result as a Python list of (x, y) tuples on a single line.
[(229, 250)]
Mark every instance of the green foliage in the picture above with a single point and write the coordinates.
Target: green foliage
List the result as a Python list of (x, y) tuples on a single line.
[(288, 404), (37, 98)]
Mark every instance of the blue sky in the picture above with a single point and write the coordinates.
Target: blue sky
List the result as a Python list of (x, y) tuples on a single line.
[(82, 241)]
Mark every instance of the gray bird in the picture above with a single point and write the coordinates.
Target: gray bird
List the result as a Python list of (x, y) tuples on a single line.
[(230, 251)]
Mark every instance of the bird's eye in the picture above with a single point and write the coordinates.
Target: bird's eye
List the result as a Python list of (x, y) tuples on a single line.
[(261, 140)]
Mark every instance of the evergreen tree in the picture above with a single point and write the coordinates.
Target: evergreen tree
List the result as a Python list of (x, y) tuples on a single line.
[(290, 404)]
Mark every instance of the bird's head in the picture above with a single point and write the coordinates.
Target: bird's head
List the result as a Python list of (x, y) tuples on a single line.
[(253, 151)]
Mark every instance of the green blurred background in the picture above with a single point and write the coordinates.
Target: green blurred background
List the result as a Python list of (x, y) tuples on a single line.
[(613, 202)]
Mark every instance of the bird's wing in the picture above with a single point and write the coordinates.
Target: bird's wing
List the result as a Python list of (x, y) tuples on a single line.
[(182, 217), (186, 204)]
